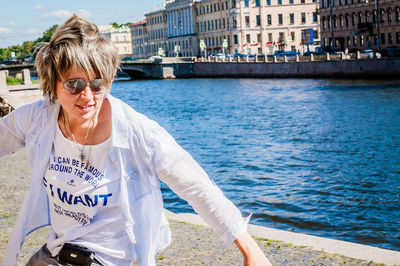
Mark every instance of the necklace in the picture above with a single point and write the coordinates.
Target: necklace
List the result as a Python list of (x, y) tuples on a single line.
[(81, 156)]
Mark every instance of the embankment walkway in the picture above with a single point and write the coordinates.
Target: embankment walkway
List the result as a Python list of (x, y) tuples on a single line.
[(194, 243)]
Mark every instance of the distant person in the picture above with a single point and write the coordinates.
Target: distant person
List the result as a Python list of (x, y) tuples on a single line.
[(97, 164)]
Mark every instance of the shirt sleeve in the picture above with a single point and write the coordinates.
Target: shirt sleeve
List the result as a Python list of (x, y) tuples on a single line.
[(188, 180), (12, 132)]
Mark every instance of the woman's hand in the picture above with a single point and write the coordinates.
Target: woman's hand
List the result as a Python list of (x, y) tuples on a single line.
[(252, 254)]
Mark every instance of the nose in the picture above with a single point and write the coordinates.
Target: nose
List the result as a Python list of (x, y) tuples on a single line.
[(87, 92)]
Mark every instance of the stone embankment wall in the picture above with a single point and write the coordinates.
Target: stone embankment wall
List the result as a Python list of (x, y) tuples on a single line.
[(14, 96), (365, 68)]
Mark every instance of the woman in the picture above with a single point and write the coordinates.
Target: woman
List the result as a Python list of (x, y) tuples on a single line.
[(96, 165)]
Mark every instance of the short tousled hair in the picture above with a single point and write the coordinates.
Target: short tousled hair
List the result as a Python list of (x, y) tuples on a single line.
[(77, 43)]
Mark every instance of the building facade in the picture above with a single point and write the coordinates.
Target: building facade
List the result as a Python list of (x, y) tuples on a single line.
[(360, 24), (121, 37), (213, 26), (229, 26), (139, 39), (181, 19), (156, 32), (261, 27)]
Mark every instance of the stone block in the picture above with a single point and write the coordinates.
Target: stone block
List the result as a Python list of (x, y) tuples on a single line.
[(26, 77), (3, 80)]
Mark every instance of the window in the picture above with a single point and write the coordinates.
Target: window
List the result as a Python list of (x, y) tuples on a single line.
[(323, 22), (290, 1), (303, 17), (246, 3), (397, 37), (257, 2), (270, 37), (348, 41), (383, 41), (280, 19), (279, 2), (291, 16), (248, 38), (315, 17), (360, 16), (269, 19), (389, 15), (235, 39), (390, 38), (374, 16), (397, 14), (233, 3), (341, 21), (354, 40), (234, 24), (302, 1), (292, 36), (382, 16), (367, 15), (259, 37), (353, 19), (247, 21), (258, 19), (223, 23), (269, 2), (361, 39), (281, 37)]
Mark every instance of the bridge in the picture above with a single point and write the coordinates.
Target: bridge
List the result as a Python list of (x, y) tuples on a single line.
[(159, 68)]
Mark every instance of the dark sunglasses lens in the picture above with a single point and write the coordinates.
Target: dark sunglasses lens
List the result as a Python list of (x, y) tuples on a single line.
[(95, 85), (74, 86)]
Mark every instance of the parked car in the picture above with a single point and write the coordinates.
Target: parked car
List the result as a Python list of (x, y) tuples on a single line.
[(291, 53), (128, 58), (220, 56), (392, 51), (366, 54), (155, 58)]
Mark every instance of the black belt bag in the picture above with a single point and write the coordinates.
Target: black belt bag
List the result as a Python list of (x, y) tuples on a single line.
[(71, 254)]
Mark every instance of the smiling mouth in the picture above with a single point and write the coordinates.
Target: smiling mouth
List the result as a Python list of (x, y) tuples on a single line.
[(85, 106)]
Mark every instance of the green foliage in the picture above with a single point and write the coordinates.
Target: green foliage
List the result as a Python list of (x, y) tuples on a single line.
[(13, 81), (28, 47), (47, 34)]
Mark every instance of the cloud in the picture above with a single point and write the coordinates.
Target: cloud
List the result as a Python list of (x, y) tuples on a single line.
[(11, 23), (61, 13), (84, 13), (39, 7), (58, 14), (4, 30), (34, 31)]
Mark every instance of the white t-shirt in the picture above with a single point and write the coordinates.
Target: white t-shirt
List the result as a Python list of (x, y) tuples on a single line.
[(84, 201)]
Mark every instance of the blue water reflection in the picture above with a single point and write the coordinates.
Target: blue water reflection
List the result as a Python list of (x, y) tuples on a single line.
[(314, 156)]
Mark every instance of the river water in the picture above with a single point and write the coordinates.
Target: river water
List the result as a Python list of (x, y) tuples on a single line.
[(320, 157)]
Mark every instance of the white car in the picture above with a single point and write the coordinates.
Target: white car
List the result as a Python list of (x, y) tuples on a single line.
[(366, 54)]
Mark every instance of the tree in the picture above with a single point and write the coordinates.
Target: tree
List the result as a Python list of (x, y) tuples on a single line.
[(47, 34), (115, 25)]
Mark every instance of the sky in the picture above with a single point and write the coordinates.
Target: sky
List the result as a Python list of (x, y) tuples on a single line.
[(24, 20)]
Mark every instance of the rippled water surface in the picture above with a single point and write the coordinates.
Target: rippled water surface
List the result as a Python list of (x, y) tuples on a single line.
[(320, 157)]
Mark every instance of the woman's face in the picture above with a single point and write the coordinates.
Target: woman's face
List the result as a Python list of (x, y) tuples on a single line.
[(80, 107)]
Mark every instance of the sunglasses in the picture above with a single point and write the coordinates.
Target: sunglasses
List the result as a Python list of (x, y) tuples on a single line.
[(76, 86)]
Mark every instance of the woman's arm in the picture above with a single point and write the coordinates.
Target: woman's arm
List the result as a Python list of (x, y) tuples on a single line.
[(252, 254)]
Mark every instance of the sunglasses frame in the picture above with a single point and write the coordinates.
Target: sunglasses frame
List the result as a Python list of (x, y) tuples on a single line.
[(87, 83)]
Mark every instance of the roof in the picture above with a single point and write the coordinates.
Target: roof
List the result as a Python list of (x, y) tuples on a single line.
[(138, 23)]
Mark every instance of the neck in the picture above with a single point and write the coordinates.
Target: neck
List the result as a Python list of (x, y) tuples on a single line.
[(77, 131)]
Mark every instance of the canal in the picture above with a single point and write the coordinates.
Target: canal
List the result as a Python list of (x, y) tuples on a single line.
[(314, 156)]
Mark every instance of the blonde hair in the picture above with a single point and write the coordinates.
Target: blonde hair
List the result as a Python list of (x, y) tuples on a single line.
[(77, 43)]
